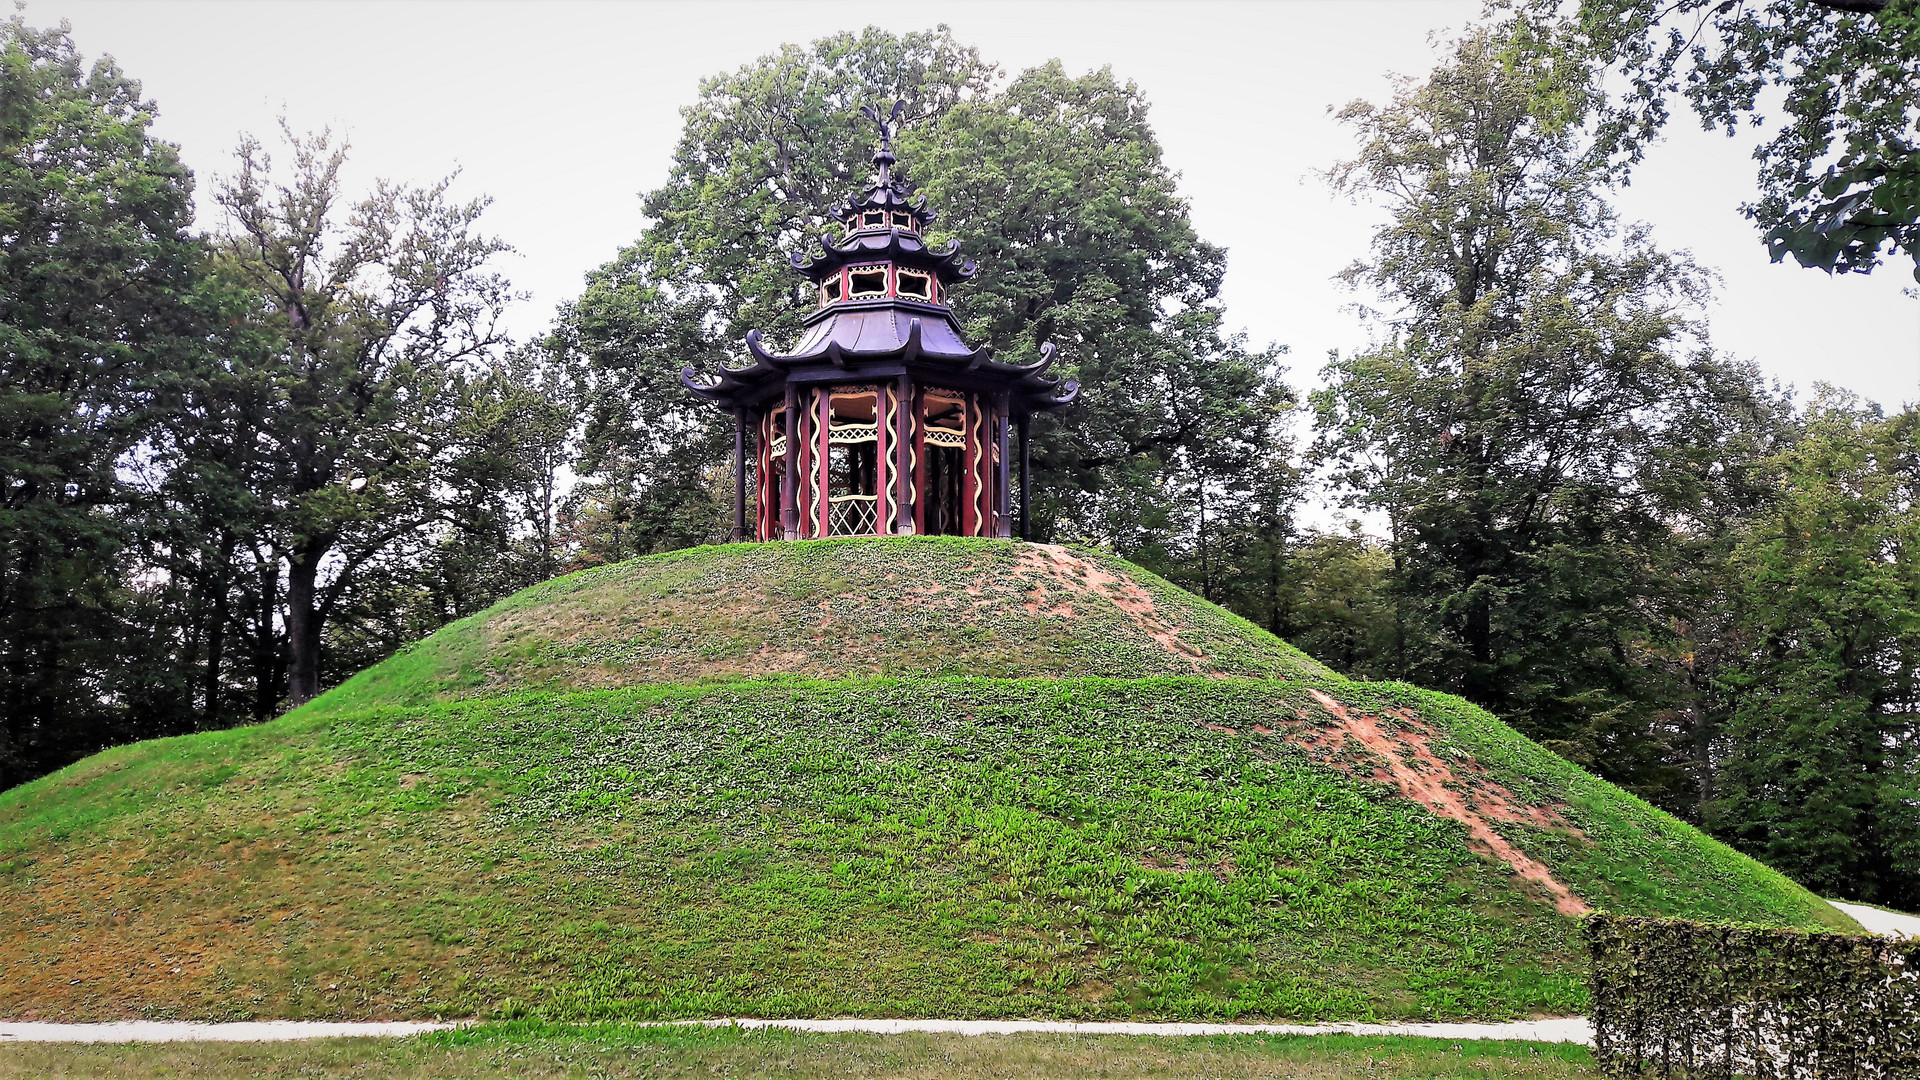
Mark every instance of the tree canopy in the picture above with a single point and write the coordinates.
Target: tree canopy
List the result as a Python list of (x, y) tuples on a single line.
[(1539, 366), (97, 276), (1055, 184), (1839, 180)]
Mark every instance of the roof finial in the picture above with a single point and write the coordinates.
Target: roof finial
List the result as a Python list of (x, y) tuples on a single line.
[(883, 158)]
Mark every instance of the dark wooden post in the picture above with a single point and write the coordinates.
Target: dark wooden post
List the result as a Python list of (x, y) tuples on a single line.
[(903, 422), (739, 475), (1026, 476), (1002, 504), (789, 513)]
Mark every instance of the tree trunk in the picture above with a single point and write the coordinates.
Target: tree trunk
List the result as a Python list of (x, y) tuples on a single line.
[(266, 654), (303, 627), (216, 638)]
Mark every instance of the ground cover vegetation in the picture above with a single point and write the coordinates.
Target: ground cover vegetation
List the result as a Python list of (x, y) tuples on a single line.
[(522, 1049), (1156, 811), (247, 458)]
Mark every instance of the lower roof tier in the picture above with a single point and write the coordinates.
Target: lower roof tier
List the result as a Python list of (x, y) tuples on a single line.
[(882, 340)]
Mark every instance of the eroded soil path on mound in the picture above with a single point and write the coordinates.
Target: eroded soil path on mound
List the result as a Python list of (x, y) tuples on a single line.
[(1420, 775), (1073, 576)]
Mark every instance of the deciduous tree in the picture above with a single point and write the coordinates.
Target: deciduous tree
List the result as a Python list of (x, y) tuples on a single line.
[(1839, 176), (1535, 361), (96, 271), (379, 307)]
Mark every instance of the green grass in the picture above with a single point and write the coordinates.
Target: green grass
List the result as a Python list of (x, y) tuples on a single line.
[(533, 1050), (1136, 828), (828, 609)]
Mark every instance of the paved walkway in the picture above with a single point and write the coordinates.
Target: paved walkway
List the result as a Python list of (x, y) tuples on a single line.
[(128, 1031), (1876, 921), (1571, 1029), (1565, 1029)]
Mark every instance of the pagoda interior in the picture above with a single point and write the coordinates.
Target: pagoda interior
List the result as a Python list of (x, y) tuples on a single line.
[(881, 420)]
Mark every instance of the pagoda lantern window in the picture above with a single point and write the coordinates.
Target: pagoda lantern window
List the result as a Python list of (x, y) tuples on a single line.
[(866, 282), (903, 221), (873, 219), (913, 283), (830, 290)]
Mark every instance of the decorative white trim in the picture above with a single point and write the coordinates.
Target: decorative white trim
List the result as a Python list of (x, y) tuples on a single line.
[(954, 438), (852, 433)]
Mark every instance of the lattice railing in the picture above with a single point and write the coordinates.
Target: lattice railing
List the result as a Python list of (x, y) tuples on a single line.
[(853, 433), (940, 436), (852, 515)]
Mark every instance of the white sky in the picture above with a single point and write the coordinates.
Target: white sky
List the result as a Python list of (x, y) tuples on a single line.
[(565, 112)]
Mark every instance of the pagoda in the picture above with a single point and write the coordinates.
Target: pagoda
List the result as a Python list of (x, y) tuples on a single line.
[(881, 420)]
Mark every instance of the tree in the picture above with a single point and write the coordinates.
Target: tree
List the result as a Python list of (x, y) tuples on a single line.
[(764, 153), (1057, 187), (1840, 177), (1512, 422), (1054, 184), (1335, 601), (96, 321), (1822, 772), (378, 310)]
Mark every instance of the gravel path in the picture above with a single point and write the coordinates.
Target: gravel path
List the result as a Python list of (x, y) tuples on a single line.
[(1565, 1029), (1570, 1029), (1884, 923), (129, 1031)]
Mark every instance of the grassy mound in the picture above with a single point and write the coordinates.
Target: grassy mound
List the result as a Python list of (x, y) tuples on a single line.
[(832, 609), (1166, 813)]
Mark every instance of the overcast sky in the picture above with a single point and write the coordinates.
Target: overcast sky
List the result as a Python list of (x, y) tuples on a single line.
[(565, 112)]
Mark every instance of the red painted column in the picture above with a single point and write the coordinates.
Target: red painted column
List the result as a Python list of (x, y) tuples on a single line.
[(790, 475), (919, 408), (903, 456), (1002, 508), (823, 416)]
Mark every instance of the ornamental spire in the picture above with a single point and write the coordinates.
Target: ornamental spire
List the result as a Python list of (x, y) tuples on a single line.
[(883, 159)]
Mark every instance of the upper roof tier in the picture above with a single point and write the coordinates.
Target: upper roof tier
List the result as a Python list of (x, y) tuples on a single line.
[(887, 243), (870, 323)]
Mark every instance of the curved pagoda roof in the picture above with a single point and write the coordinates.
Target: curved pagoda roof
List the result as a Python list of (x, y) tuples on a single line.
[(883, 336)]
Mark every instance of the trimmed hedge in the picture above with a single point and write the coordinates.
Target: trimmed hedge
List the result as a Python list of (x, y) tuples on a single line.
[(1675, 998)]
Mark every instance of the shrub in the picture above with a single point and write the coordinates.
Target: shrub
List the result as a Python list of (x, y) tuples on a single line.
[(1676, 998)]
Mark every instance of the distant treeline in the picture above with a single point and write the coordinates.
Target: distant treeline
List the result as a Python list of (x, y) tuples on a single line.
[(245, 460)]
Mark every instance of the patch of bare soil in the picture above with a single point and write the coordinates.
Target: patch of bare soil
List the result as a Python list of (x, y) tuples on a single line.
[(1073, 576), (1421, 776)]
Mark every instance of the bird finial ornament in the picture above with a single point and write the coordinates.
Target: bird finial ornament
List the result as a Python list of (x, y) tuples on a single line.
[(889, 126)]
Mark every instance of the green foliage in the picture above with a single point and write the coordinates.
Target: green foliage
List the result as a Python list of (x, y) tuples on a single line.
[(96, 285), (1675, 998), (1054, 184), (375, 309), (1840, 177), (1057, 187), (1820, 774), (1526, 420)]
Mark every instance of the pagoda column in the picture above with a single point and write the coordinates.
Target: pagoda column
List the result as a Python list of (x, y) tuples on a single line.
[(903, 426), (1002, 459), (789, 511), (739, 475)]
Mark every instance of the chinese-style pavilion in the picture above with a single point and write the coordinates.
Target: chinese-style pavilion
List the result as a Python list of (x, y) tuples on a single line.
[(881, 420)]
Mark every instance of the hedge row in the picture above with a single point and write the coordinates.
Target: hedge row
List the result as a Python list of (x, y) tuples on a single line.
[(1674, 998)]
